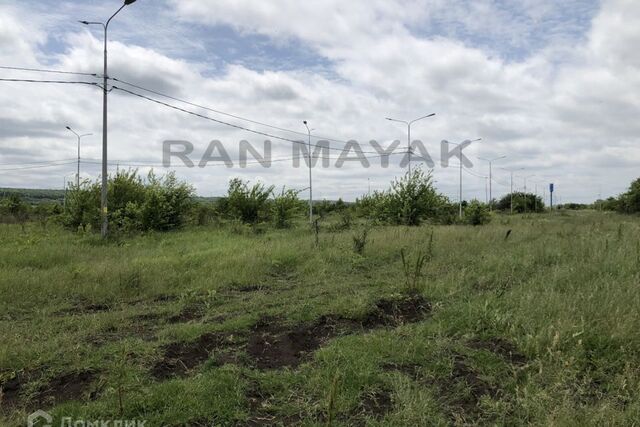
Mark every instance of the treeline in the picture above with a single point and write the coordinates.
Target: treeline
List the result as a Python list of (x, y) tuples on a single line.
[(628, 202), (153, 203)]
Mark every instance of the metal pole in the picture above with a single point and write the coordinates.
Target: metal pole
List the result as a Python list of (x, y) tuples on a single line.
[(525, 195), (486, 194), (511, 193), (103, 198), (490, 185), (310, 176), (409, 144), (461, 186), (105, 93), (78, 174), (409, 132)]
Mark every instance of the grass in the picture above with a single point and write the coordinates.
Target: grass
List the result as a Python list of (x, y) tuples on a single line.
[(177, 329)]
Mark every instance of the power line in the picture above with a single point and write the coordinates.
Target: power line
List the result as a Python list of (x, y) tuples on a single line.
[(268, 135), (224, 113), (36, 163), (39, 70), (37, 167), (49, 81)]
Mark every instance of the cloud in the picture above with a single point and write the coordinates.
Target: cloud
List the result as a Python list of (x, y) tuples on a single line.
[(545, 83)]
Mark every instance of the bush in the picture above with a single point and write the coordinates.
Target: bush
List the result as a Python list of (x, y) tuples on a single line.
[(284, 208), (410, 200), (247, 204), (630, 201), (14, 209), (157, 203), (522, 202), (477, 213)]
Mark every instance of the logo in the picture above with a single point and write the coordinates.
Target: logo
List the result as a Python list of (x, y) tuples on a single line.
[(39, 419)]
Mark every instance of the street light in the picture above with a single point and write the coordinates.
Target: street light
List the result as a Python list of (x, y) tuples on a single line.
[(105, 92), (526, 196), (491, 177), (79, 138), (310, 178), (459, 144), (511, 171), (409, 131)]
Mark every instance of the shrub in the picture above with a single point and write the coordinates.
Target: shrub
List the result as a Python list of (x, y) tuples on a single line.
[(522, 202), (284, 208), (157, 203), (15, 209), (360, 240), (410, 200), (248, 204), (477, 213), (630, 201)]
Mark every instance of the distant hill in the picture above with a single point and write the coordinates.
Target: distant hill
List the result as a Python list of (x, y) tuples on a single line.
[(33, 196)]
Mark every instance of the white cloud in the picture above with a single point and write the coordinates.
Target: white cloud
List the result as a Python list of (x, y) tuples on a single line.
[(566, 111)]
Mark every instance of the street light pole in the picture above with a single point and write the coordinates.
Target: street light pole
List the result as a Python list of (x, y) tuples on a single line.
[(459, 144), (79, 138), (511, 171), (105, 93), (409, 150), (490, 161), (310, 177), (526, 196)]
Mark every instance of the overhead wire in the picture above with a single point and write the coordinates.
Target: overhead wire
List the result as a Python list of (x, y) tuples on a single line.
[(202, 116), (164, 95), (40, 70)]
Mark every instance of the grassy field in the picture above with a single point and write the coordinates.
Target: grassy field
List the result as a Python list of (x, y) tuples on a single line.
[(214, 326)]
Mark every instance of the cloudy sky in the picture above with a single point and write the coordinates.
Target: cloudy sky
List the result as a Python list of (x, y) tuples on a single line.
[(554, 86)]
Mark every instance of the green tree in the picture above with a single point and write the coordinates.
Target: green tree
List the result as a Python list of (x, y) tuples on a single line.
[(285, 207), (248, 204), (477, 213), (410, 200)]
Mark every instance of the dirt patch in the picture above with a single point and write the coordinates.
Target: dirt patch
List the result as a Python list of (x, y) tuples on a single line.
[(188, 314), (62, 388), (273, 346), (10, 389), (376, 404), (181, 357), (463, 374), (503, 348), (260, 413), (67, 387), (460, 392), (397, 312)]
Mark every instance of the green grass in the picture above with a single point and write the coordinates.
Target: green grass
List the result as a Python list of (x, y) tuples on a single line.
[(561, 294)]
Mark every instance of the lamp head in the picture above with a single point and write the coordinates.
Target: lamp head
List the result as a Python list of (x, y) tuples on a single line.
[(128, 2), (84, 22)]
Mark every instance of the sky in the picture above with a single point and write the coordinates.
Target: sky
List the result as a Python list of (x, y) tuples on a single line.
[(553, 86)]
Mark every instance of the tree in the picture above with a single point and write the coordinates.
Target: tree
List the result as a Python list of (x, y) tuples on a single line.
[(248, 204), (630, 201), (477, 213), (522, 202), (410, 200), (284, 208), (135, 204)]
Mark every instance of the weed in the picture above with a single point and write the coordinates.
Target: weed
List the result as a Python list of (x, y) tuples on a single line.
[(413, 270), (333, 392), (360, 241)]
